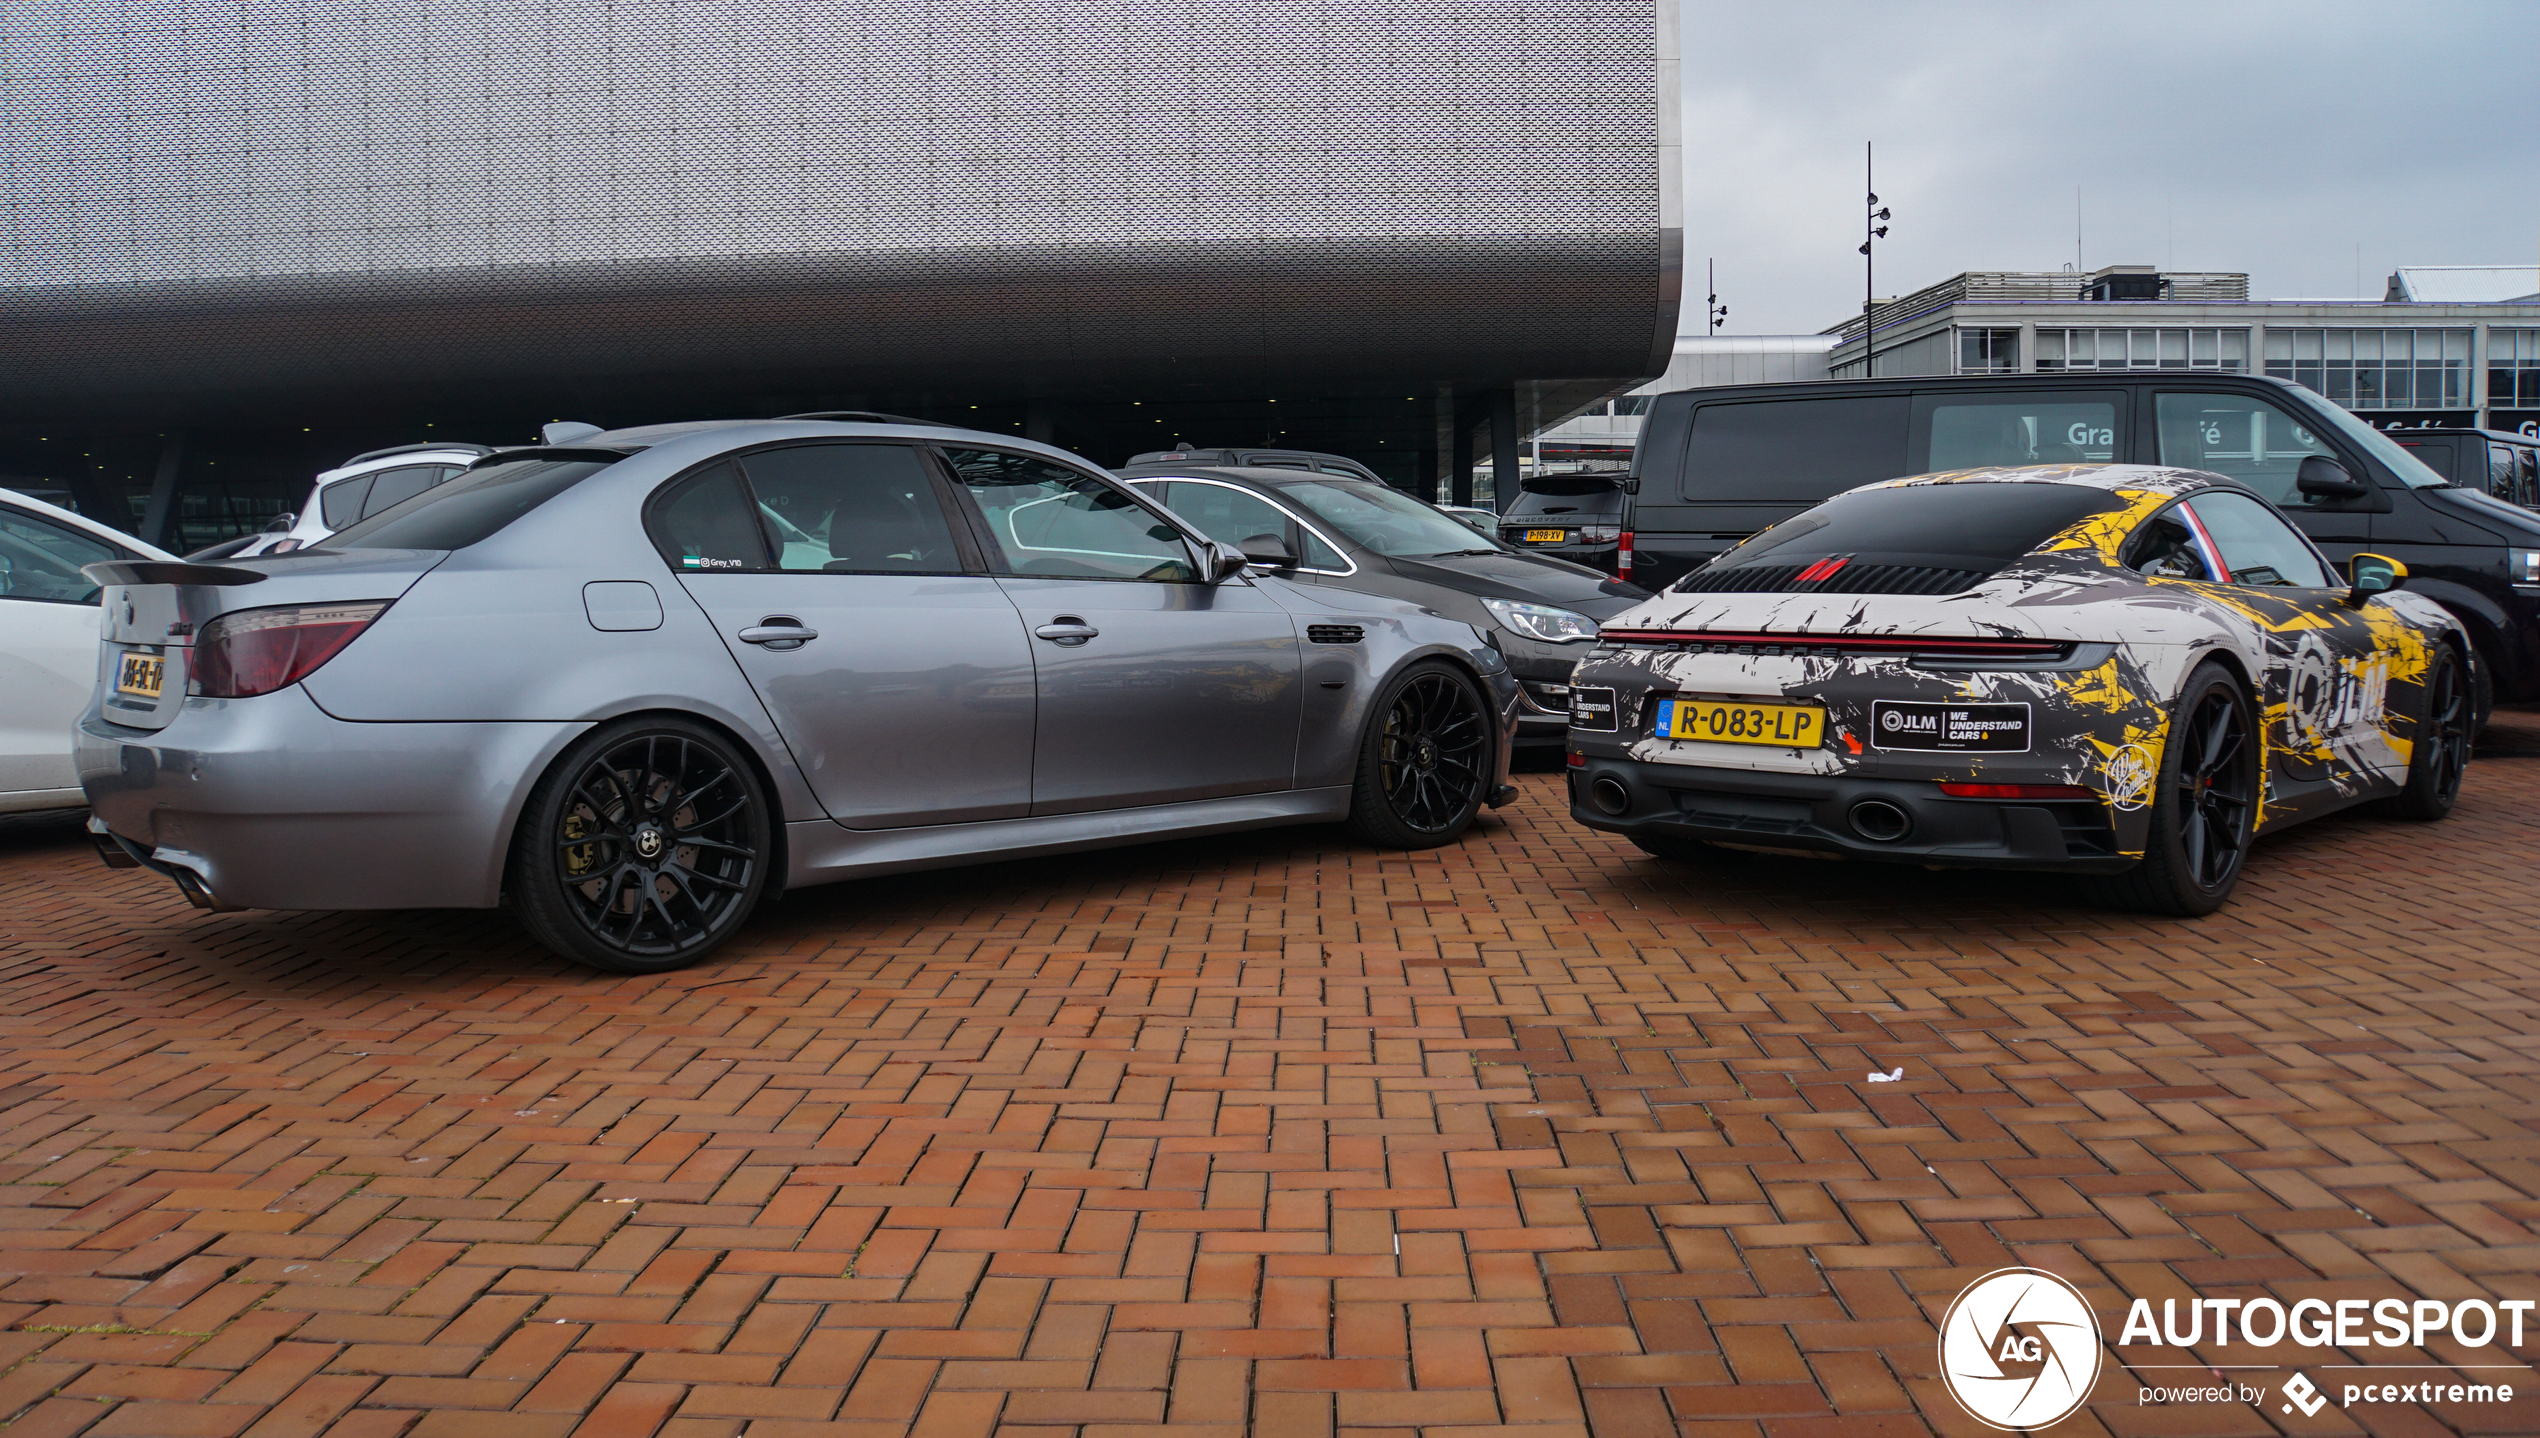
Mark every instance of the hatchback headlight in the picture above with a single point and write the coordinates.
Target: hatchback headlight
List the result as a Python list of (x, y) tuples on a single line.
[(1542, 621)]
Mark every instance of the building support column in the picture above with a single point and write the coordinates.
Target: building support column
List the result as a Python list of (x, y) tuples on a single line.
[(2028, 346), (2478, 340), (158, 517), (1503, 448), (1459, 477)]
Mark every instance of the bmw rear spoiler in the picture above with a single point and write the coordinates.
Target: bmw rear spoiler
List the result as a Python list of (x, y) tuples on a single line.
[(168, 571)]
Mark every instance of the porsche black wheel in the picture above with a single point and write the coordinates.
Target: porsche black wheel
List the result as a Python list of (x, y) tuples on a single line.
[(2204, 804), (1424, 767), (643, 849), (2442, 742)]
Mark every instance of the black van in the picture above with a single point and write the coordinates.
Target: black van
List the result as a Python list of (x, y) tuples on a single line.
[(2505, 465), (1715, 465), (1577, 517)]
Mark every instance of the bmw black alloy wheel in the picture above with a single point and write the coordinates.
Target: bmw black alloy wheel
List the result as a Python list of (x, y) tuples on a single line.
[(1434, 753), (657, 841), (2217, 789), (2447, 728)]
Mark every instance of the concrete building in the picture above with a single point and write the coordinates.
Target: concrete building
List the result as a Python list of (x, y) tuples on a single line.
[(2450, 346), (239, 244)]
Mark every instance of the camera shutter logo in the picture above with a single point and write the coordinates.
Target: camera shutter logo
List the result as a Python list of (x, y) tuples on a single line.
[(2019, 1349)]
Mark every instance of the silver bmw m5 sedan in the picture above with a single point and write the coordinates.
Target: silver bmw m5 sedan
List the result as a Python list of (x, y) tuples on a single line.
[(632, 684)]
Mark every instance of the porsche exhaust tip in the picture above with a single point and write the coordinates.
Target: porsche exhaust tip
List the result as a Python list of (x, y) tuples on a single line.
[(1609, 796), (1880, 822)]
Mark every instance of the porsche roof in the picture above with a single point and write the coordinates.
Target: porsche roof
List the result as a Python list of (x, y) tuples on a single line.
[(2152, 478)]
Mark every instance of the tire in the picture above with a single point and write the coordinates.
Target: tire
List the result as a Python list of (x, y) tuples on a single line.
[(2482, 668), (2204, 804), (644, 847), (1424, 766), (2440, 755), (1667, 846)]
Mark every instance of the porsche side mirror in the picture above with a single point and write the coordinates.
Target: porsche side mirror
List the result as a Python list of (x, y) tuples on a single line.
[(1224, 562), (1270, 551), (2323, 478), (2371, 574)]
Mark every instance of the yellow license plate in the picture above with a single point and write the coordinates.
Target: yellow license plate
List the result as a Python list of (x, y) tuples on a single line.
[(1545, 536), (1787, 726), (140, 674)]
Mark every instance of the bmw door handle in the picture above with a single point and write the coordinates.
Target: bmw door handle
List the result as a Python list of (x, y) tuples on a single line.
[(1066, 629), (779, 631)]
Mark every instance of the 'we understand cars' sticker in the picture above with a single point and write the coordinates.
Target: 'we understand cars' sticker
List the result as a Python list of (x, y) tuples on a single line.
[(1950, 728)]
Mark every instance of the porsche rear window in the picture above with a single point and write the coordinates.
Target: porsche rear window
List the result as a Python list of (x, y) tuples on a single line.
[(1960, 526)]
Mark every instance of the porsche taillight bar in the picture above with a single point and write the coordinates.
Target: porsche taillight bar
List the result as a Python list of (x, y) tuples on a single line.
[(1870, 643)]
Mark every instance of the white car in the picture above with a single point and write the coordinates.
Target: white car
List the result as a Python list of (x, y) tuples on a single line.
[(48, 644), (359, 488)]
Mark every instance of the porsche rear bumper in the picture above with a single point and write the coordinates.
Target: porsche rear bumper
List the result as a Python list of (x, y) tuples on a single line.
[(1838, 814)]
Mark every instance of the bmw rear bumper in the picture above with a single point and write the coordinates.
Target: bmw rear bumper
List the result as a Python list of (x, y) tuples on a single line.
[(1826, 814), (271, 803)]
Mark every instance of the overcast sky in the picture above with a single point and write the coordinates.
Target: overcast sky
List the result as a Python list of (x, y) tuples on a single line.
[(2265, 136)]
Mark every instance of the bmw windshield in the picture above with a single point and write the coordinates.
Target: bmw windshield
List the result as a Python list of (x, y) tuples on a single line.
[(1386, 520)]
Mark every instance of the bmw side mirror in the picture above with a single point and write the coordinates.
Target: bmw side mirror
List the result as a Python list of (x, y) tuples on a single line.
[(2372, 574), (2323, 478), (1224, 562), (282, 522), (1270, 551)]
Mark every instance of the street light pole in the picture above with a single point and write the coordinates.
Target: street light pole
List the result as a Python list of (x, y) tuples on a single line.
[(1871, 232), (1719, 313)]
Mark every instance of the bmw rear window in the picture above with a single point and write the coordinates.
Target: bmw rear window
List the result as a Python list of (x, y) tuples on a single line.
[(473, 507), (1977, 526)]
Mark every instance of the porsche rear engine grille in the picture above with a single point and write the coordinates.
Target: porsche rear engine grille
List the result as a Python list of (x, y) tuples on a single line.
[(1711, 641), (1837, 579)]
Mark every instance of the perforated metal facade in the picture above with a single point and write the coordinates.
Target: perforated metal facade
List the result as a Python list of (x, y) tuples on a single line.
[(215, 209)]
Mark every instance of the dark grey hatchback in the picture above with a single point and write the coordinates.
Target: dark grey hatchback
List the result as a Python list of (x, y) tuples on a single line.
[(1541, 612)]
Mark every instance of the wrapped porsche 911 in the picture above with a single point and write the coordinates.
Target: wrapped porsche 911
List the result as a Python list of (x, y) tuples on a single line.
[(2121, 671)]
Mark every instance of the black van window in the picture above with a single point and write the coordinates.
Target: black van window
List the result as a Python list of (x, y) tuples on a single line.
[(1793, 451), (2241, 437), (1979, 431), (2438, 454)]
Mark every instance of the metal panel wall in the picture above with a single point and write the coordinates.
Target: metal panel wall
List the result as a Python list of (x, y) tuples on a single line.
[(221, 203)]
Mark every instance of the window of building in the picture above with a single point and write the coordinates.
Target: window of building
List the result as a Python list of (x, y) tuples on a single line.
[(1639, 403), (2375, 368), (1986, 351), (2225, 350), (2513, 369)]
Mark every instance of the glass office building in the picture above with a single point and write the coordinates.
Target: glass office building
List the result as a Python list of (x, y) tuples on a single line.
[(2403, 361)]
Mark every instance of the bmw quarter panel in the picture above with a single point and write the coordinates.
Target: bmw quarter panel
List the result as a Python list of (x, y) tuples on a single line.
[(286, 807)]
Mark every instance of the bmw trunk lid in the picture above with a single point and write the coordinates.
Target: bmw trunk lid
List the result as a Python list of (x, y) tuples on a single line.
[(155, 609)]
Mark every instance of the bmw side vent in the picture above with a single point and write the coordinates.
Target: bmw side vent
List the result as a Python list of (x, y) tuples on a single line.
[(1334, 633), (1822, 578)]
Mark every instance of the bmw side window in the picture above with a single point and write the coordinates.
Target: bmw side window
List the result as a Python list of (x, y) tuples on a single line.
[(2166, 547), (703, 524), (341, 505), (1050, 521), (40, 560), (851, 508), (2256, 545)]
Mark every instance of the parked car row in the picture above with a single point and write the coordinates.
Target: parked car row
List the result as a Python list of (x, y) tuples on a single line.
[(2126, 671)]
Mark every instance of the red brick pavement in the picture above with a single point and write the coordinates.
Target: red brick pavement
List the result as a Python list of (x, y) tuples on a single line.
[(1531, 1135)]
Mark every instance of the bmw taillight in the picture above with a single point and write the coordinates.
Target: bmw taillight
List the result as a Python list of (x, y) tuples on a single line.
[(248, 652)]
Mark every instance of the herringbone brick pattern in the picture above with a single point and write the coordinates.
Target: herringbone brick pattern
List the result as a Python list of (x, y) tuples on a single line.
[(1264, 1134)]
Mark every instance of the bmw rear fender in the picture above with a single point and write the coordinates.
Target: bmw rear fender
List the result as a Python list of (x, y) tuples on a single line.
[(164, 606)]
